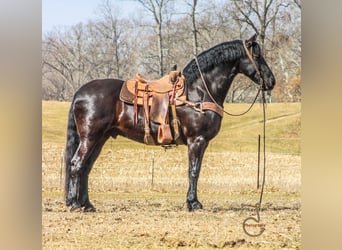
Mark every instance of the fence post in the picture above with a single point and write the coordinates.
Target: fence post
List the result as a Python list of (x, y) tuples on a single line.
[(258, 162), (61, 169), (152, 170)]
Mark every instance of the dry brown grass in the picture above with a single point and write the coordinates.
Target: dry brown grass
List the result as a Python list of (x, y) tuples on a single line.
[(159, 221), (133, 214)]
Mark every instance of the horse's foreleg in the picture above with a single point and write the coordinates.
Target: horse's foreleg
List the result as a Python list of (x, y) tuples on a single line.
[(196, 148)]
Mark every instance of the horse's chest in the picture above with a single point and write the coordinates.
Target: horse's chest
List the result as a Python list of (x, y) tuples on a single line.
[(195, 124)]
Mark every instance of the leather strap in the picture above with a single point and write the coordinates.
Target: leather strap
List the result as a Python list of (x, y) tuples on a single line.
[(136, 103), (212, 106), (203, 106), (175, 123), (148, 140), (249, 54)]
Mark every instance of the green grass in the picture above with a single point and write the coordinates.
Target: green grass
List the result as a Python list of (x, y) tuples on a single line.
[(239, 134), (54, 121), (283, 128)]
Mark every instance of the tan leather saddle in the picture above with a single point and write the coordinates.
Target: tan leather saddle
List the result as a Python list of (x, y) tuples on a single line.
[(156, 96)]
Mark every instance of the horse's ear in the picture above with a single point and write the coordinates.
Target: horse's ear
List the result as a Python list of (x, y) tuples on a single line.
[(250, 41)]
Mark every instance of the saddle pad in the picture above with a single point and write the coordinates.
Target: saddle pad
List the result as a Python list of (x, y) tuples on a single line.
[(125, 94)]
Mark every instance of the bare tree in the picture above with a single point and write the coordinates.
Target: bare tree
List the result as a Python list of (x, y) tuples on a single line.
[(74, 56), (111, 34), (278, 26), (298, 3), (258, 14), (193, 4), (110, 46), (63, 55), (156, 8), (286, 53)]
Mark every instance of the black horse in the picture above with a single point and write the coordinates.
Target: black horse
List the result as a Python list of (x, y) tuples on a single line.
[(96, 113)]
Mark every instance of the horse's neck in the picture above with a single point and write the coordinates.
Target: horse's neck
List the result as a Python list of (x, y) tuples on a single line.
[(217, 82)]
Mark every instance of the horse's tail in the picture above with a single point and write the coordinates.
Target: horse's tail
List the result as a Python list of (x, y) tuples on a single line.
[(70, 148)]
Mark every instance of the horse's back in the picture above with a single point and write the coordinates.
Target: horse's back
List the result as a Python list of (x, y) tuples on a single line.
[(100, 94), (103, 87)]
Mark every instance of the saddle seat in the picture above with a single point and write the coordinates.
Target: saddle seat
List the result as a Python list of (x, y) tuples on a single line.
[(155, 97)]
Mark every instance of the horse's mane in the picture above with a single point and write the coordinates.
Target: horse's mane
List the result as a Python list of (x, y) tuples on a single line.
[(208, 59)]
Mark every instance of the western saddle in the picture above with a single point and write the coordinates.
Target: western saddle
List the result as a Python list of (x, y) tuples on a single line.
[(155, 97)]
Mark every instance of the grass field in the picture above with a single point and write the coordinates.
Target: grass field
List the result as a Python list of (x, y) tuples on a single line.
[(141, 204)]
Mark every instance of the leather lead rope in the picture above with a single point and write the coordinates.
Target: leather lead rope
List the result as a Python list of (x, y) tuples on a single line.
[(257, 206), (264, 147)]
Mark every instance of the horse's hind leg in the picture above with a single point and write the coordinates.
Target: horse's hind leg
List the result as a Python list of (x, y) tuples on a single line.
[(71, 195), (77, 163), (83, 197), (81, 164)]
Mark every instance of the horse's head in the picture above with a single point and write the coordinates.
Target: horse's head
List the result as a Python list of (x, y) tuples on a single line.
[(254, 65)]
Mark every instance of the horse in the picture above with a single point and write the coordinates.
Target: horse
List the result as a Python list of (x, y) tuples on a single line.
[(97, 113)]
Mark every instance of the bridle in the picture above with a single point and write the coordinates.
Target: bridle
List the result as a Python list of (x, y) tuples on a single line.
[(261, 84), (250, 57)]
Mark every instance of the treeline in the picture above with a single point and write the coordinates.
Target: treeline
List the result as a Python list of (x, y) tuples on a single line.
[(166, 32)]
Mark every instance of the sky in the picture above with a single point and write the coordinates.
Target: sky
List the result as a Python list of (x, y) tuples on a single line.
[(57, 13)]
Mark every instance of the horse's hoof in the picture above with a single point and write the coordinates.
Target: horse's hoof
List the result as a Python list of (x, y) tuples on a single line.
[(89, 208), (196, 205), (75, 207), (68, 202)]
